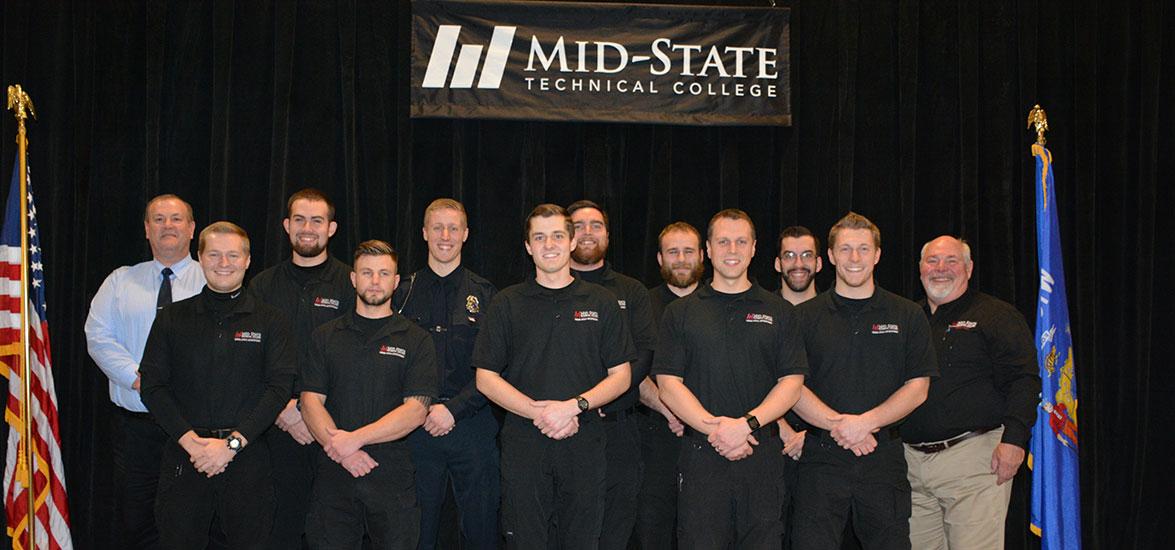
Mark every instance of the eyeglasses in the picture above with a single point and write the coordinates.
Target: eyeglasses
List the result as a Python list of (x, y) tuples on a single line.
[(805, 256)]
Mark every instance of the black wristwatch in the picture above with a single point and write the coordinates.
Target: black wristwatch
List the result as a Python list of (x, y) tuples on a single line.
[(752, 421), (235, 443), (582, 403)]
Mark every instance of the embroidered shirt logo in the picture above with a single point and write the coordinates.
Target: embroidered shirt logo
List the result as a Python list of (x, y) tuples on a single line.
[(623, 304), (393, 351), (326, 302), (247, 336), (586, 315), (760, 318), (885, 328), (963, 325)]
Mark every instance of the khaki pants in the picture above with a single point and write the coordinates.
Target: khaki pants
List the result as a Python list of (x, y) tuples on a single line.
[(956, 502)]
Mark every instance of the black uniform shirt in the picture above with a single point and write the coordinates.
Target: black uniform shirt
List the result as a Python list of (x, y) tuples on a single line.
[(553, 343), (730, 349), (213, 362), (309, 296), (862, 351), (659, 297), (633, 299), (366, 368), (988, 372), (450, 308)]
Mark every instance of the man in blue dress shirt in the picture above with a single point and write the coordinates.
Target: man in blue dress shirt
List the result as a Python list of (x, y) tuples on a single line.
[(116, 332)]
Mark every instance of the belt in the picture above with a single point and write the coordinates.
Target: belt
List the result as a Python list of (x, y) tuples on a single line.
[(885, 434), (619, 416), (770, 430), (939, 446), (135, 414), (215, 433)]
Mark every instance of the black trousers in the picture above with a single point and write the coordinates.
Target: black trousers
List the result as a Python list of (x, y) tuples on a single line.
[(235, 507), (293, 477), (469, 457), (622, 479), (552, 491), (834, 485), (656, 520), (731, 504), (137, 451), (380, 505)]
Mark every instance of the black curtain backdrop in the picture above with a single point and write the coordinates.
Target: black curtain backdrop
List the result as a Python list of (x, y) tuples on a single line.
[(910, 112)]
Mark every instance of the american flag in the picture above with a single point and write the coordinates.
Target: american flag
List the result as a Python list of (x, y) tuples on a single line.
[(52, 511)]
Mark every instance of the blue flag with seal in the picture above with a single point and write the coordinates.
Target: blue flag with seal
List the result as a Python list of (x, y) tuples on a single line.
[(1056, 494)]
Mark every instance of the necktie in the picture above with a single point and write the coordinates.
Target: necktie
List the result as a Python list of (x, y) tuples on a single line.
[(164, 290)]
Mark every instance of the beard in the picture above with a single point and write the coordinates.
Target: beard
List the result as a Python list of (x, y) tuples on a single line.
[(671, 278), (803, 286), (585, 256), (307, 250), (939, 292), (377, 300)]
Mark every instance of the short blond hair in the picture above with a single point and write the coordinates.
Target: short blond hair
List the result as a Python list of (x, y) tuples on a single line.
[(223, 228), (446, 204)]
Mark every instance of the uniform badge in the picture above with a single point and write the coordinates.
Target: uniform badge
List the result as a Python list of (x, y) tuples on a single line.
[(471, 304)]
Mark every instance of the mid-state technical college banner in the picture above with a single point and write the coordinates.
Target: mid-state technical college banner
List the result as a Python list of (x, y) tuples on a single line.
[(600, 62)]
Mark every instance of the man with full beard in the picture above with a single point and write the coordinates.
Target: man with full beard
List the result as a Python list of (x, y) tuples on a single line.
[(680, 256), (367, 382), (311, 289), (623, 477), (797, 264)]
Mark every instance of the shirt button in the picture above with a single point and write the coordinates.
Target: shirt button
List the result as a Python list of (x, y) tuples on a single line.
[(557, 316)]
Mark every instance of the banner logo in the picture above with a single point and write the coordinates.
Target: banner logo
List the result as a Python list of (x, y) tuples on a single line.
[(247, 336), (885, 328), (467, 61), (393, 351)]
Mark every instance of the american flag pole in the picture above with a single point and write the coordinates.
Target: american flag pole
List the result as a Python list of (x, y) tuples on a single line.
[(22, 105)]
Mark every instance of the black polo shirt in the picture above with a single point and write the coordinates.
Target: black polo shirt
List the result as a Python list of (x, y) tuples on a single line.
[(862, 351), (659, 297), (988, 372), (450, 308), (730, 349), (366, 368), (553, 343), (633, 299), (309, 296), (212, 362)]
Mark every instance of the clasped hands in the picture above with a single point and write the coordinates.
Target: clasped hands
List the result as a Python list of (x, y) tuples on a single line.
[(290, 421), (853, 432), (346, 448), (556, 419), (731, 437), (209, 455)]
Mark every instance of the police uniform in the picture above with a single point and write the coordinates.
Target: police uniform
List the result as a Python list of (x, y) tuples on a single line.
[(986, 395), (366, 368), (622, 431), (553, 344), (309, 296), (450, 308), (215, 363), (860, 352), (656, 520), (730, 350)]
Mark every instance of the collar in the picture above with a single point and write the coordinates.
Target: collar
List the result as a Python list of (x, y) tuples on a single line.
[(531, 287), (836, 301), (706, 291), (427, 275), (176, 268), (328, 268), (396, 323), (952, 307), (604, 273), (242, 304)]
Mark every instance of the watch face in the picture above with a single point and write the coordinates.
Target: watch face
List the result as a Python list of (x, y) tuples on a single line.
[(583, 403), (234, 443)]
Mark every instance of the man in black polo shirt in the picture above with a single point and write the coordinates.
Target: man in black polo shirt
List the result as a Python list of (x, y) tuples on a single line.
[(871, 360), (458, 441), (679, 255), (623, 478), (729, 363), (311, 289), (216, 371), (965, 444), (551, 349), (367, 383)]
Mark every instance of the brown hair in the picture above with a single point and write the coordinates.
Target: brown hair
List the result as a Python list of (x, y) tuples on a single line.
[(853, 220), (795, 232), (375, 247), (584, 203), (168, 197), (313, 195), (548, 210), (729, 214), (679, 226)]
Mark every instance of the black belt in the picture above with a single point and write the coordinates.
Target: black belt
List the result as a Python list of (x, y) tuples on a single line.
[(770, 430), (619, 416), (939, 446), (885, 434), (215, 433)]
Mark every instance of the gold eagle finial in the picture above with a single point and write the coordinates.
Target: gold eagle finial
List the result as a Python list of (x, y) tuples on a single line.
[(19, 102), (1038, 118)]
